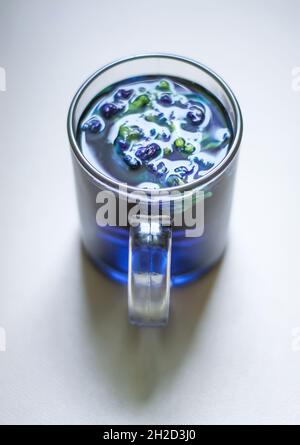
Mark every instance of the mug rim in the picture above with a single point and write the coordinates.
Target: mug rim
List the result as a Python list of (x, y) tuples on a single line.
[(115, 185)]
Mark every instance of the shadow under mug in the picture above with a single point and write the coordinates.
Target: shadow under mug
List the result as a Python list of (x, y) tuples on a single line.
[(150, 253)]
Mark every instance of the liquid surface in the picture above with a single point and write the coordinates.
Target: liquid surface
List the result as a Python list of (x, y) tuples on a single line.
[(155, 132)]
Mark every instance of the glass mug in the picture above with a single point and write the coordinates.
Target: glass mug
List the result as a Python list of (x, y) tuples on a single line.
[(150, 252)]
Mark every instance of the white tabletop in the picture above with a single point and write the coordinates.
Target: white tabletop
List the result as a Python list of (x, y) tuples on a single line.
[(231, 353)]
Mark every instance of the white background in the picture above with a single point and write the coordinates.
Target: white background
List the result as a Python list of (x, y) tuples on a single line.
[(228, 354)]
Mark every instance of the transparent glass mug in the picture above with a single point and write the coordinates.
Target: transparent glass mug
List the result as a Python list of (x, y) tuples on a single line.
[(150, 252)]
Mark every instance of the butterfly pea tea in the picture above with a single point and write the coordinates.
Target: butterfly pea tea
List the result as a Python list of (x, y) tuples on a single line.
[(159, 124), (155, 132)]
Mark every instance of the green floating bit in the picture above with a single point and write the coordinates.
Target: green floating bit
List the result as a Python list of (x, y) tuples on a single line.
[(138, 103), (129, 134), (189, 149), (167, 151), (159, 120), (212, 144), (209, 143), (171, 127), (163, 85), (174, 180), (151, 118), (184, 148), (179, 143)]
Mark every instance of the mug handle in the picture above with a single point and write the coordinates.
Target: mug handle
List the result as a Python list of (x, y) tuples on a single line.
[(149, 266)]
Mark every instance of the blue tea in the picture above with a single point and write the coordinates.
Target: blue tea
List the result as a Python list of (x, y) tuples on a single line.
[(156, 132)]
